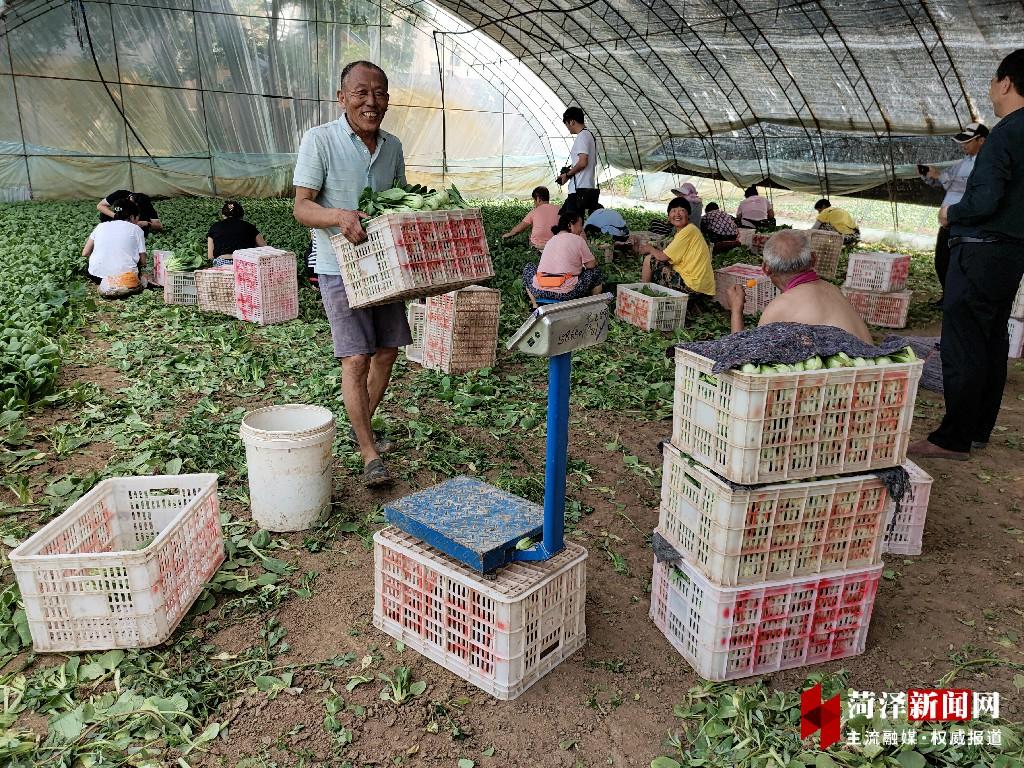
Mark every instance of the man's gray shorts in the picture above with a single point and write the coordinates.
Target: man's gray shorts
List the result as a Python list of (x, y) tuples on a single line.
[(361, 331)]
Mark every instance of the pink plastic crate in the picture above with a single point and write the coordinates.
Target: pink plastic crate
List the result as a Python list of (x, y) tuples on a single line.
[(879, 272), (414, 254), (752, 239), (903, 531), (501, 634), (1017, 311), (758, 288), (826, 247), (159, 266), (666, 312), (266, 285), (1016, 330), (735, 535), (886, 310), (733, 632), (460, 330), (765, 427)]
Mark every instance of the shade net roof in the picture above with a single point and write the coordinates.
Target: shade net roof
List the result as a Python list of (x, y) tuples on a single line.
[(212, 96)]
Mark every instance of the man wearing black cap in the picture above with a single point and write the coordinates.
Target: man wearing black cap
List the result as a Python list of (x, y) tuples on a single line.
[(986, 238), (954, 181)]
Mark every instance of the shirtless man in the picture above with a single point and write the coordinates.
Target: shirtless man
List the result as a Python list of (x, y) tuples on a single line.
[(805, 298)]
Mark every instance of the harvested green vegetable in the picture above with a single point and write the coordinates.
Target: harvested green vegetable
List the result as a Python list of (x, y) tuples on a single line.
[(411, 197), (185, 263), (840, 360)]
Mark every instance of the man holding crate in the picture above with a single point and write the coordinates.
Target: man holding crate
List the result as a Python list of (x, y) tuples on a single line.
[(336, 161)]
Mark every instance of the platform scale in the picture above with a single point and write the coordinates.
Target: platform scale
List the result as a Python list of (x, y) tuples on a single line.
[(459, 554)]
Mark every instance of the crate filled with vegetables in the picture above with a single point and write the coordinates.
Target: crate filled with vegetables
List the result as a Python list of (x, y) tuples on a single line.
[(651, 307), (879, 272), (460, 330), (419, 242), (735, 535), (772, 422), (266, 285), (886, 310), (904, 524), (179, 279), (758, 288)]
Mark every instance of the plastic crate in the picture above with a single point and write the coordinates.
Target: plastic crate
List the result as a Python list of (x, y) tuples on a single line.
[(737, 535), (879, 272), (1017, 311), (180, 288), (733, 632), (460, 330), (903, 532), (215, 290), (758, 288), (123, 564), (159, 266), (666, 312), (826, 247), (752, 239), (266, 285), (1015, 329), (886, 310), (415, 254), (762, 428), (417, 315), (501, 634)]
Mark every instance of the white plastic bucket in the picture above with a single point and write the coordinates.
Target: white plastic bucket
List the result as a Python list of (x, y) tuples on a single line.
[(288, 451)]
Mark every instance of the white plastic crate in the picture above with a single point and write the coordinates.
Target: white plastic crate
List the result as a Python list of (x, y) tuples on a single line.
[(738, 535), (666, 312), (417, 316), (409, 255), (266, 285), (758, 289), (460, 330), (180, 288), (886, 310), (502, 634), (752, 239), (761, 428), (877, 271), (1017, 311), (826, 247), (122, 566), (1015, 328), (903, 531), (733, 632), (215, 290), (159, 266)]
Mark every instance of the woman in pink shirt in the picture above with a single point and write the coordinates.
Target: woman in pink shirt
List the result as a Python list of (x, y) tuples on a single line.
[(567, 268), (540, 221), (754, 211)]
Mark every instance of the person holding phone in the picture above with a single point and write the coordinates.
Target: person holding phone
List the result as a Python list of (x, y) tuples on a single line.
[(953, 181)]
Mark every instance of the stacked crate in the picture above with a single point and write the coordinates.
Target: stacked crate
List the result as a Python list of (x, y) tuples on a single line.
[(457, 331), (776, 567), (1016, 324), (826, 247), (875, 285), (758, 289)]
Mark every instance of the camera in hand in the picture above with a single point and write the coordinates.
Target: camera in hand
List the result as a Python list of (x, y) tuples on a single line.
[(564, 172)]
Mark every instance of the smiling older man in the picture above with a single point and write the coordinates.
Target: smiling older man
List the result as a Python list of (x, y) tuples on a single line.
[(335, 162)]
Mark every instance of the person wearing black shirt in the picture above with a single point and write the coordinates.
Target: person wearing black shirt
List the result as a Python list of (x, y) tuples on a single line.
[(149, 219), (986, 238), (230, 234)]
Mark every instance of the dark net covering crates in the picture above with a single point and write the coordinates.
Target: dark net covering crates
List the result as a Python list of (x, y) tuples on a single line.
[(460, 330)]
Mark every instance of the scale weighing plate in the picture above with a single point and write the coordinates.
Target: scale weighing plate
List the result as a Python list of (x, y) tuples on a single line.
[(555, 329), (469, 520)]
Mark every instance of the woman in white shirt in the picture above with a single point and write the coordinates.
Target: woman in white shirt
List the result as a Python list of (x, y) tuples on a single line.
[(117, 249)]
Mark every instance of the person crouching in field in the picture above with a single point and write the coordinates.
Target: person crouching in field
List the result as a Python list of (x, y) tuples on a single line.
[(232, 233), (685, 264), (567, 268), (116, 251)]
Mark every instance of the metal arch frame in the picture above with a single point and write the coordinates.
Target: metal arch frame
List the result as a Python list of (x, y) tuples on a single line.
[(752, 42)]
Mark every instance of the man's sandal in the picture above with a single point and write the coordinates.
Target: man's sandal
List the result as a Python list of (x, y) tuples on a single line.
[(376, 474), (380, 442)]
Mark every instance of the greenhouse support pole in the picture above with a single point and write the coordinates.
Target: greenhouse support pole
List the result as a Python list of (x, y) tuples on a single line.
[(202, 100), (21, 127), (444, 121)]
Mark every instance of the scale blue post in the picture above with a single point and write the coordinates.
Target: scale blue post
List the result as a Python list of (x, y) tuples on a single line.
[(480, 525)]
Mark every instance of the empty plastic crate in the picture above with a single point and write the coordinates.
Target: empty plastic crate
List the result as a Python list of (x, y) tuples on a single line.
[(765, 427), (758, 288), (1017, 311), (666, 312), (752, 239), (733, 632), (904, 530), (266, 285), (180, 288), (501, 634), (123, 564), (417, 316), (1015, 329), (886, 310), (735, 535), (159, 266), (460, 330), (215, 290), (826, 247), (880, 272), (409, 255)]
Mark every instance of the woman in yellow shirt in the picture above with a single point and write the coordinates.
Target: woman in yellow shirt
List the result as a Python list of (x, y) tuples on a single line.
[(685, 264), (837, 220)]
